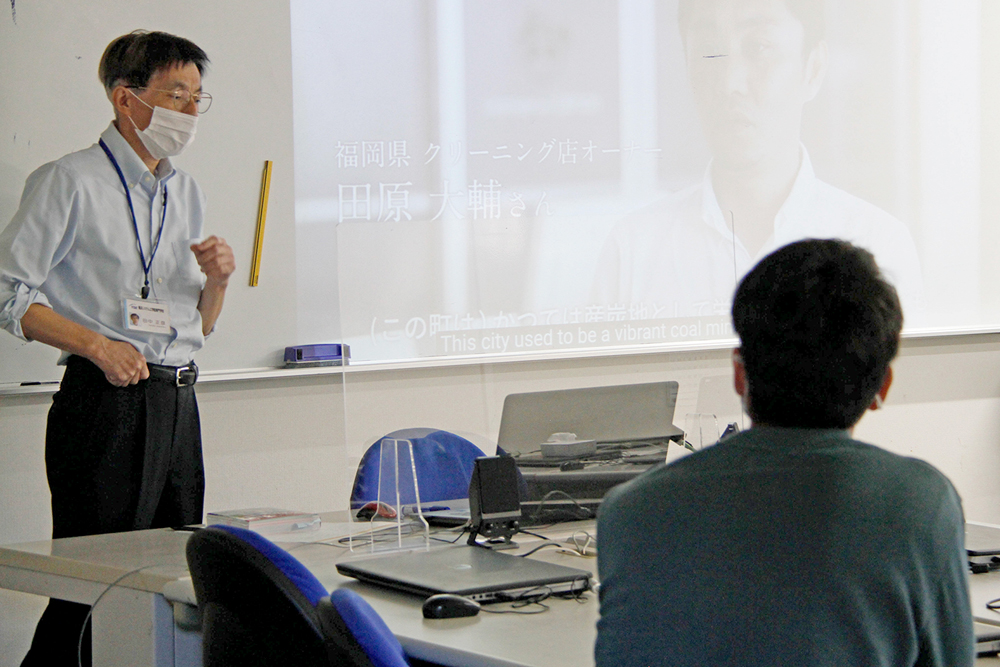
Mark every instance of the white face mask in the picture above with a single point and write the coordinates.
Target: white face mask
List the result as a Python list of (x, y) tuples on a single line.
[(169, 132)]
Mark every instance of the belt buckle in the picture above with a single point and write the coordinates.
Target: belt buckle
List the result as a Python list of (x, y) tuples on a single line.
[(182, 373)]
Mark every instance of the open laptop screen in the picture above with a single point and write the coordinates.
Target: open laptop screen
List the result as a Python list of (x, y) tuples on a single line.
[(620, 413)]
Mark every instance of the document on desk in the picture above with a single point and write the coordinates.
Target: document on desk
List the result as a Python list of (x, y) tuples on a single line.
[(330, 532)]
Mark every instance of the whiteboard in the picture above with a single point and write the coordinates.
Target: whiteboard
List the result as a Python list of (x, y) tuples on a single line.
[(905, 121), (51, 103)]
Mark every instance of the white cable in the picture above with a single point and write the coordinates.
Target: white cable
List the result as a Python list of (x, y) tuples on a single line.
[(90, 612)]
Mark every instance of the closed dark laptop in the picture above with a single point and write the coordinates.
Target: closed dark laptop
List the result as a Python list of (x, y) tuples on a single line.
[(475, 572)]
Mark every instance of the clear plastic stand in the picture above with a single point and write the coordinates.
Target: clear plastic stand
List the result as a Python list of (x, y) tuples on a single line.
[(700, 430), (397, 521)]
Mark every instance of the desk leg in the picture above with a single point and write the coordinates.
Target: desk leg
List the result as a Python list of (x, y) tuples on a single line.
[(133, 628)]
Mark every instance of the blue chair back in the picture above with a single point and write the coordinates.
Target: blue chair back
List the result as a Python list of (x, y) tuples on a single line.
[(443, 462), (361, 631), (261, 606)]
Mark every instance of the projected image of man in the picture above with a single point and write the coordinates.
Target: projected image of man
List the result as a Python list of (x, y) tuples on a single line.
[(753, 65)]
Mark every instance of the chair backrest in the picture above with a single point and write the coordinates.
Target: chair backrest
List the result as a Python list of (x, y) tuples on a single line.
[(261, 606), (443, 461), (357, 633)]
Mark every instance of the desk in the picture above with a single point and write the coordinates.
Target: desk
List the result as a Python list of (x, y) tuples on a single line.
[(134, 624), (80, 569)]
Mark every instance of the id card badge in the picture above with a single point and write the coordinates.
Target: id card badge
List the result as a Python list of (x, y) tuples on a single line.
[(147, 315)]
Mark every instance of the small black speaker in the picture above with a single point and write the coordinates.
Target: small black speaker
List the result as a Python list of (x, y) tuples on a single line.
[(494, 501)]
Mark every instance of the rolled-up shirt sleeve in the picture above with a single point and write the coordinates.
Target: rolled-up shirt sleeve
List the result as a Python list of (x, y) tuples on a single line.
[(18, 297), (38, 237)]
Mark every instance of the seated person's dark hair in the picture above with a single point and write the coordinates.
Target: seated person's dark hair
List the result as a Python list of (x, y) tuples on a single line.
[(133, 59), (818, 327)]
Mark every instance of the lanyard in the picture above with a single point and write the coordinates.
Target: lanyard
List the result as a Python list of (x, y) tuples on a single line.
[(146, 266)]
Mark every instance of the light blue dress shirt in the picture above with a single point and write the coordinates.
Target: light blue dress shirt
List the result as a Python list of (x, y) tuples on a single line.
[(72, 246)]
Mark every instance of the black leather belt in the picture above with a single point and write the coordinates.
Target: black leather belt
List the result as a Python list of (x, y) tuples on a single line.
[(179, 376)]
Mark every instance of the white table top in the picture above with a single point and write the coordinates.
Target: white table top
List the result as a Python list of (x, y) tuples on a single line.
[(81, 568)]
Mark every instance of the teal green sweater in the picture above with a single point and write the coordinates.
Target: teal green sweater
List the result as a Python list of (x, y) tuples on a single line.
[(784, 547)]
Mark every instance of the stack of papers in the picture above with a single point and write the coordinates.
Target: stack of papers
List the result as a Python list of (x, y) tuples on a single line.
[(267, 520)]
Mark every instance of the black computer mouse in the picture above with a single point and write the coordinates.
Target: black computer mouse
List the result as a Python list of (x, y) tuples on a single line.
[(446, 605)]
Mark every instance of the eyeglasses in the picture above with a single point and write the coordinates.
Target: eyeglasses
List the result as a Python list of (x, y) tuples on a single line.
[(182, 98)]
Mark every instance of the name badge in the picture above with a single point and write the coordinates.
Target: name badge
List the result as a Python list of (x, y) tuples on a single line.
[(147, 315)]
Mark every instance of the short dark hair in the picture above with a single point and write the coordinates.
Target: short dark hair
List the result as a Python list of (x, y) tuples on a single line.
[(818, 327), (810, 13), (134, 58)]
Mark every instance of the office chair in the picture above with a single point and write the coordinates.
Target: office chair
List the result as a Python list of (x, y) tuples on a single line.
[(261, 606), (443, 461)]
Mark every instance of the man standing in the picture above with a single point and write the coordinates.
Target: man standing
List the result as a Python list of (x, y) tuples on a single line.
[(753, 65), (104, 260), (792, 543)]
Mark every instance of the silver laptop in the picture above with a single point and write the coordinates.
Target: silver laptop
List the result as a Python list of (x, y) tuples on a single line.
[(616, 414), (982, 539), (481, 574)]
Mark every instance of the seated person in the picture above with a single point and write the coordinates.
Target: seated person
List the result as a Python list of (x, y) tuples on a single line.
[(792, 543)]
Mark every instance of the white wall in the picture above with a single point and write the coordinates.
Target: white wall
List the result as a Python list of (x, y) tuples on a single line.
[(287, 442)]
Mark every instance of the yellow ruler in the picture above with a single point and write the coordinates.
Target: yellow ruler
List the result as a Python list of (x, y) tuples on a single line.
[(258, 243)]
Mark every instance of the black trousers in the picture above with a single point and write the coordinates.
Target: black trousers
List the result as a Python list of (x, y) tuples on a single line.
[(117, 459)]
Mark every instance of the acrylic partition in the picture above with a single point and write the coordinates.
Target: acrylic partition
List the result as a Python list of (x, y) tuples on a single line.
[(533, 197)]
